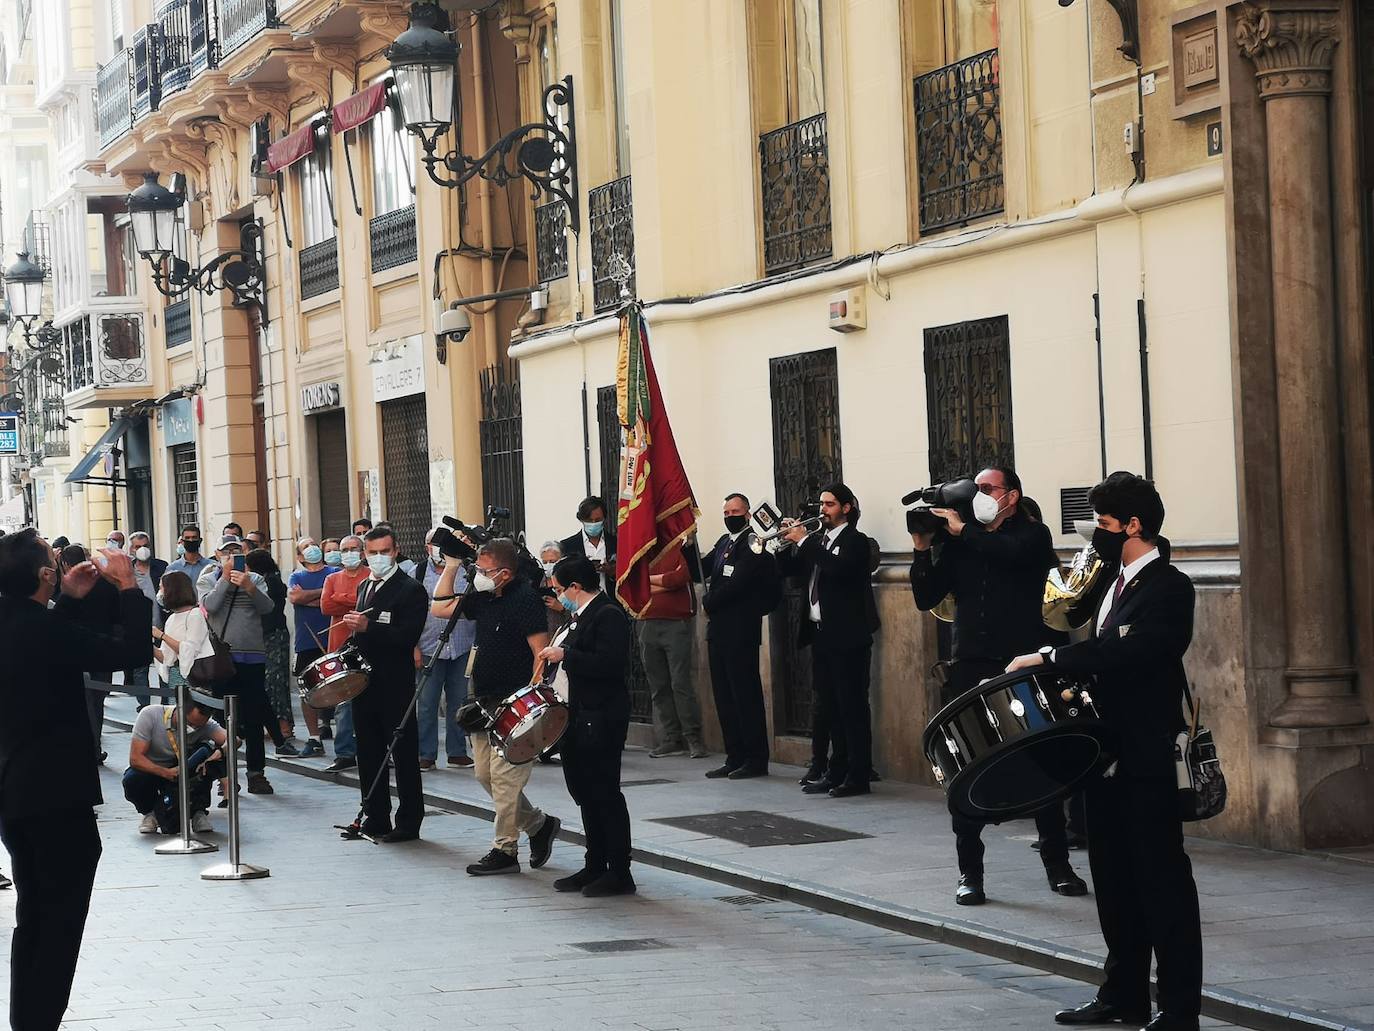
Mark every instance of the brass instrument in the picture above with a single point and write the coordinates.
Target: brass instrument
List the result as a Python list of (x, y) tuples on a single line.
[(773, 541), (1064, 590)]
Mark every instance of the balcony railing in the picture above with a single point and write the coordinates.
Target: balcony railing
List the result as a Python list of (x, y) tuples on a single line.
[(794, 163), (177, 322), (959, 142), (611, 214), (174, 46), (147, 89), (392, 238), (319, 268), (104, 350), (241, 20), (114, 98), (38, 238), (551, 240)]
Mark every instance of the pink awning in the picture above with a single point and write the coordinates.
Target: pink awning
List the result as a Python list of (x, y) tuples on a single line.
[(357, 109), (290, 149)]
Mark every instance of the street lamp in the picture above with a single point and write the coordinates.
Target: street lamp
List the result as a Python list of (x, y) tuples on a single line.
[(24, 291), (153, 211), (423, 64)]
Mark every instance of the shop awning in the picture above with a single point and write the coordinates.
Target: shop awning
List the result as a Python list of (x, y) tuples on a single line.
[(359, 108), (291, 148), (108, 441)]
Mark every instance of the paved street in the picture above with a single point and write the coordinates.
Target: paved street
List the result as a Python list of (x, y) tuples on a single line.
[(352, 935)]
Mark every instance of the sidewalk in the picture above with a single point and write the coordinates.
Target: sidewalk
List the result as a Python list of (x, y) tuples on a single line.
[(1289, 939)]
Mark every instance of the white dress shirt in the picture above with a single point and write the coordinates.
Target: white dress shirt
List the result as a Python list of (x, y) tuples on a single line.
[(595, 552), (1127, 575)]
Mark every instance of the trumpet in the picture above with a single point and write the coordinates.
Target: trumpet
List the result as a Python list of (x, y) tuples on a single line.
[(773, 541)]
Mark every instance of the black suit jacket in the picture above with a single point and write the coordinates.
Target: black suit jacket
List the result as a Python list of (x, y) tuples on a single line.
[(574, 546), (47, 755), (399, 609), (1139, 666), (736, 604), (849, 614), (597, 650)]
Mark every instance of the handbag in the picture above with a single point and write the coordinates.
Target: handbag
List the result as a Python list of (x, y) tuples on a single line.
[(1201, 782), (217, 667)]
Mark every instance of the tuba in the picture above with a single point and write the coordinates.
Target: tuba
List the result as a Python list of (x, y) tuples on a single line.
[(1065, 589)]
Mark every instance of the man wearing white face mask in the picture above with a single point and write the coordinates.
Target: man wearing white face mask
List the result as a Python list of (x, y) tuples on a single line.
[(339, 598), (148, 573), (449, 674), (312, 626), (995, 567)]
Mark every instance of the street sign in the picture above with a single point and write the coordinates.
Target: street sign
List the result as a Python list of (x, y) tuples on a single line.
[(9, 433)]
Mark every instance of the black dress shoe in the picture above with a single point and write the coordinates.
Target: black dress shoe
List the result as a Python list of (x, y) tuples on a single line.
[(745, 772), (1063, 881), (611, 882), (970, 891), (1168, 1022), (812, 774), (577, 881), (400, 834), (541, 841), (849, 789), (375, 830), (720, 771), (1098, 1012), (343, 762), (818, 787)]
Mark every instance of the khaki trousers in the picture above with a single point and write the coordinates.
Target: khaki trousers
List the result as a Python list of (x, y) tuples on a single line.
[(506, 786)]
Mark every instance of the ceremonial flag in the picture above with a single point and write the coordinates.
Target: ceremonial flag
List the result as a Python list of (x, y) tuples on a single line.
[(656, 511)]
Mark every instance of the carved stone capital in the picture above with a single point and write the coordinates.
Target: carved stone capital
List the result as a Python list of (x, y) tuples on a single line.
[(1290, 45), (516, 28)]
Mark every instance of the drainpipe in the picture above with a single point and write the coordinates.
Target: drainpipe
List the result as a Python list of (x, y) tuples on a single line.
[(479, 60)]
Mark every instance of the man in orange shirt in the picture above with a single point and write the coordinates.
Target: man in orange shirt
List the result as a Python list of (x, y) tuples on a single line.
[(339, 596), (667, 639)]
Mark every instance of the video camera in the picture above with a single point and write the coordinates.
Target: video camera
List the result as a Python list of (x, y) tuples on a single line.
[(451, 545), (955, 494)]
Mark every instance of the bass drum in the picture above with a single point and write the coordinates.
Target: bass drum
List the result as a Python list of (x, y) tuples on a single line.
[(1017, 743)]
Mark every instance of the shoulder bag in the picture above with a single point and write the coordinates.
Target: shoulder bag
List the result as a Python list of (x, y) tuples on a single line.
[(209, 671)]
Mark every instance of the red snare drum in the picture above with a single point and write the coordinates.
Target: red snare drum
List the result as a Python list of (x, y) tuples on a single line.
[(528, 722), (335, 677)]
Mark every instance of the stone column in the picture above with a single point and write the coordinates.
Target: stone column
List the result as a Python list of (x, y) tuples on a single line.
[(1290, 43)]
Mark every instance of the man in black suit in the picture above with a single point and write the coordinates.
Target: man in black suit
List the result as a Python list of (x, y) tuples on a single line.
[(743, 587), (390, 616), (594, 541), (838, 623), (48, 777), (994, 566), (593, 651), (1146, 898)]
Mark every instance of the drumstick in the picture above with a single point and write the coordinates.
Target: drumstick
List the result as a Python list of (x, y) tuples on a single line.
[(316, 636), (335, 622), (538, 671)]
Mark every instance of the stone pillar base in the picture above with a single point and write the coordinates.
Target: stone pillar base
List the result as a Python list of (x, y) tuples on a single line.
[(1317, 788), (1320, 697)]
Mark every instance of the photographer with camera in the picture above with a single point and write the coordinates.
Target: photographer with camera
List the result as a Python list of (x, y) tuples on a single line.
[(993, 559), (150, 782)]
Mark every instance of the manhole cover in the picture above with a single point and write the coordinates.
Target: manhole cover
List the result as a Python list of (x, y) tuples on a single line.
[(646, 783), (622, 945), (758, 829)]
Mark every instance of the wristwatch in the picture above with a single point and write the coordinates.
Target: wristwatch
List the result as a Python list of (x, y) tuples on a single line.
[(1047, 654)]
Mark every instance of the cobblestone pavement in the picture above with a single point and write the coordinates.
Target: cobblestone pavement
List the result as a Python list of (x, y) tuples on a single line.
[(354, 935)]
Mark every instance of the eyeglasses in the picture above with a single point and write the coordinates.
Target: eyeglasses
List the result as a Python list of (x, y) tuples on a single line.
[(991, 488)]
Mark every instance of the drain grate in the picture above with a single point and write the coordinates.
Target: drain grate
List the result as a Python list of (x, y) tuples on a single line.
[(622, 945), (646, 783), (745, 900), (757, 829)]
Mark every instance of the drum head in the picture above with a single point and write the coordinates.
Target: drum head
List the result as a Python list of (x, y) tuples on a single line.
[(1027, 774), (341, 687), (534, 733)]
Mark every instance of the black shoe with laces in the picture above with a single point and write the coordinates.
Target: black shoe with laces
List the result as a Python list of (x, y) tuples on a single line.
[(1098, 1012), (612, 882), (541, 841), (495, 862), (970, 891)]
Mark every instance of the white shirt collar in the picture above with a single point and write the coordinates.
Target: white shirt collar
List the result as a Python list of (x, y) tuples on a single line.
[(1133, 570), (582, 608), (834, 532), (736, 536)]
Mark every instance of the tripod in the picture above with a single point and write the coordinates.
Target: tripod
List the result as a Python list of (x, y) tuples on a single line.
[(354, 830)]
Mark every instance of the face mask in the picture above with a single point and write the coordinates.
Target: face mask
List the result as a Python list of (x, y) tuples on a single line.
[(110, 542), (483, 583), (380, 564), (593, 529), (351, 560), (567, 603), (312, 554), (161, 601), (191, 547), (333, 558), (548, 568), (435, 555), (1108, 545), (985, 508), (143, 554), (736, 523), (181, 551)]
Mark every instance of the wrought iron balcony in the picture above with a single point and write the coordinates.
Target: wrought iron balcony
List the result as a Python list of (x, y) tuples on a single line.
[(51, 438), (391, 237), (147, 87), (794, 163), (611, 214), (114, 98), (38, 237), (959, 142), (319, 268), (551, 240), (107, 359), (241, 20), (174, 46), (176, 319)]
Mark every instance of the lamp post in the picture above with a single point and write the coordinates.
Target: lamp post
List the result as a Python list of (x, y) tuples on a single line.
[(153, 213), (24, 292), (424, 61)]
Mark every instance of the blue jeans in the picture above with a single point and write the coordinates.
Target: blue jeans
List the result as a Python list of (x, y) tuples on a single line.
[(345, 744), (447, 676), (134, 678)]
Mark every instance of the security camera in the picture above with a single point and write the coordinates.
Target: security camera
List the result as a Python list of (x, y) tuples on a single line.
[(454, 323)]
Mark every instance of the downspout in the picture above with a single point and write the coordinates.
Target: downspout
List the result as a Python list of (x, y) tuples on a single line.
[(479, 60)]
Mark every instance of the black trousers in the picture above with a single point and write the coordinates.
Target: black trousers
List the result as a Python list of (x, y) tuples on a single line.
[(840, 680), (591, 767), (1146, 896), (54, 857), (376, 713), (95, 709), (968, 833), (738, 691), (249, 682)]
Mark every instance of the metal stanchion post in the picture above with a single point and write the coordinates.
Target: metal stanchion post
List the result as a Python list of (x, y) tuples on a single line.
[(234, 870), (187, 846)]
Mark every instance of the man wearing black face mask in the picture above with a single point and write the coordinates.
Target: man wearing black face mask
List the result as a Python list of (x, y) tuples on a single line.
[(190, 559), (995, 568)]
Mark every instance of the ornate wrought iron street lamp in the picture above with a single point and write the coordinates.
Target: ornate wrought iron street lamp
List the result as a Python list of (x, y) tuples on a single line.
[(154, 211), (24, 291), (424, 62)]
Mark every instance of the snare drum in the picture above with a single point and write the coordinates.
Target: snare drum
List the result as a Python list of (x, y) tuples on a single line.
[(528, 722), (335, 677), (1015, 744)]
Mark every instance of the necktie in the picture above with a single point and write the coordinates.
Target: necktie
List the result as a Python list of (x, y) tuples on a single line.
[(816, 578), (1116, 597)]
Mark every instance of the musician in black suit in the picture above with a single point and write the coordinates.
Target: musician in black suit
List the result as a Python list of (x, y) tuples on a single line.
[(48, 775), (593, 651), (1146, 897), (742, 588), (594, 541), (838, 623), (386, 625)]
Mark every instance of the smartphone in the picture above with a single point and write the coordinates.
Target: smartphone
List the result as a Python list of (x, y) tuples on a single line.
[(240, 563)]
